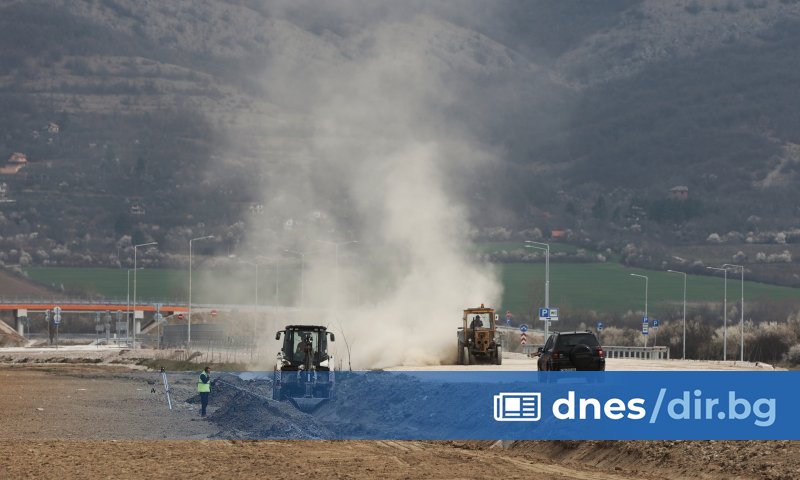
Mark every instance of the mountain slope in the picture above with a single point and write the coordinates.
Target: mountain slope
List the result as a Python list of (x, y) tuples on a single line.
[(198, 110)]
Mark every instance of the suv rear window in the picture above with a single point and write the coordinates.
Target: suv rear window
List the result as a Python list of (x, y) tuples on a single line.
[(567, 341)]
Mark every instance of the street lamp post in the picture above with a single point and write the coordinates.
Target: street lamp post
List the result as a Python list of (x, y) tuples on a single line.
[(741, 321), (128, 302), (134, 287), (684, 310), (546, 248), (336, 247), (646, 288), (189, 313), (724, 313)]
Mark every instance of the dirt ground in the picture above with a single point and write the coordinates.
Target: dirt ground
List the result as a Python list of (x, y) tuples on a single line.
[(97, 421)]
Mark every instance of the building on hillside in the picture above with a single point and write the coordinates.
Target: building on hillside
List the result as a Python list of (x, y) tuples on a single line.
[(679, 192), (136, 206), (14, 163), (53, 128), (18, 157)]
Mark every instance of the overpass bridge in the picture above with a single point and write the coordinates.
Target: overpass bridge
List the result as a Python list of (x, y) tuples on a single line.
[(21, 308)]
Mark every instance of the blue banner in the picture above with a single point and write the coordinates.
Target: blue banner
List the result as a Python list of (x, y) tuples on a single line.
[(522, 405)]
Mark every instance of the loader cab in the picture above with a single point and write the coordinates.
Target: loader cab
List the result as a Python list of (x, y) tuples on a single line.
[(300, 341)]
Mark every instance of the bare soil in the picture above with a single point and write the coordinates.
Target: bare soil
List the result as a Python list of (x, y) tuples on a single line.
[(96, 421), (17, 286)]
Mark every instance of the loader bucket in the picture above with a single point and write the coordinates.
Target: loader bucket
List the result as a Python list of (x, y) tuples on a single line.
[(307, 404)]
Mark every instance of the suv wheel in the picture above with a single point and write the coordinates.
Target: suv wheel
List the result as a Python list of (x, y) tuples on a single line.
[(581, 357)]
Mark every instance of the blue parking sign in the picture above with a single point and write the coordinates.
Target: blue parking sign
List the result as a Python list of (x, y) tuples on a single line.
[(544, 313), (655, 323)]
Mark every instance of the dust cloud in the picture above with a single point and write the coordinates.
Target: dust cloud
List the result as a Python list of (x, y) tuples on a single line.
[(378, 159)]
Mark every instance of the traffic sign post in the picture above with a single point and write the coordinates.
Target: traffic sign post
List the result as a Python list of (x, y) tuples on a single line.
[(509, 317), (655, 332), (523, 334), (56, 321), (645, 328), (158, 318), (548, 315)]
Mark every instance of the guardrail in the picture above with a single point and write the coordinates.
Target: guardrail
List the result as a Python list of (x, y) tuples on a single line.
[(642, 353), (614, 351)]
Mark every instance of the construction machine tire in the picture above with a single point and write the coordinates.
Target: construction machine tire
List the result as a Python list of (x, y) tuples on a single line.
[(498, 356), (467, 356), (460, 355), (276, 386)]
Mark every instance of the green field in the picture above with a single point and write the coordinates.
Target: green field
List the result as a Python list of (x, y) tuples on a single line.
[(113, 283), (165, 285), (607, 287), (603, 287)]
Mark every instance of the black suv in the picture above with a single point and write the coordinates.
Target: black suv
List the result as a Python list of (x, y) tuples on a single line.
[(572, 351)]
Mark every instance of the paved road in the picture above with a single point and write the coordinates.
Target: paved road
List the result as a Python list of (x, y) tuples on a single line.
[(515, 361)]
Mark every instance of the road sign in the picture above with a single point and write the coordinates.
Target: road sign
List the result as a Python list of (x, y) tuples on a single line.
[(523, 338), (57, 310), (655, 323), (645, 319), (213, 313), (550, 314), (523, 328), (180, 316), (645, 328), (600, 326), (57, 318), (509, 317)]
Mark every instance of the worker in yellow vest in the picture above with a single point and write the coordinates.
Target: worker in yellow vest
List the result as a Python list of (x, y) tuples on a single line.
[(204, 387)]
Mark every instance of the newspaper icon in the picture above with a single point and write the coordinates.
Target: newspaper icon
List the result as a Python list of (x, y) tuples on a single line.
[(517, 407)]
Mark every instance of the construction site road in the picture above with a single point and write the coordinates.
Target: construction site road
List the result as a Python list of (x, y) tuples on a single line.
[(99, 421)]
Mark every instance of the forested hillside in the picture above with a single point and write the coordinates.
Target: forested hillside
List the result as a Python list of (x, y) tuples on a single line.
[(170, 120)]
